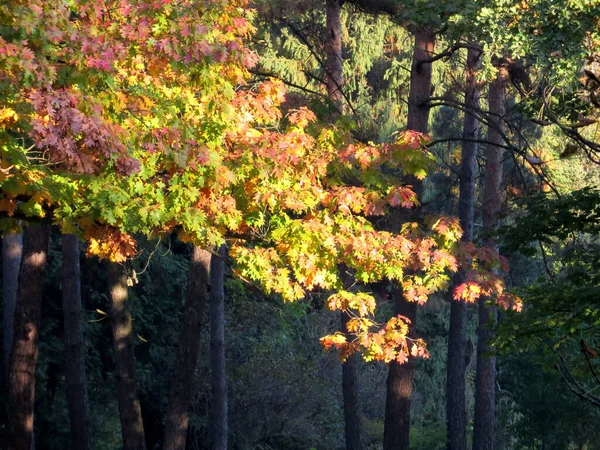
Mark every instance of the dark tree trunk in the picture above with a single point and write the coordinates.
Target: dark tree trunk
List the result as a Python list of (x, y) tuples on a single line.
[(77, 396), (456, 414), (352, 421), (177, 418), (217, 352), (400, 376), (132, 427), (27, 317), (485, 379), (333, 48), (399, 388), (12, 247)]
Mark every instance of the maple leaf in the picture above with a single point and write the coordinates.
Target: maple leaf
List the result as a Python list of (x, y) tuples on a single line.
[(468, 292), (359, 324), (335, 339), (510, 301), (388, 354), (110, 243), (347, 350), (402, 196), (448, 227), (302, 117), (414, 350), (401, 357)]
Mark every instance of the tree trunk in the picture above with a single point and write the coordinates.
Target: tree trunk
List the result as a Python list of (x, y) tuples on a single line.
[(27, 317), (353, 423), (132, 427), (420, 80), (217, 352), (400, 376), (485, 379), (12, 247), (77, 396), (456, 414), (333, 48), (177, 418), (396, 434)]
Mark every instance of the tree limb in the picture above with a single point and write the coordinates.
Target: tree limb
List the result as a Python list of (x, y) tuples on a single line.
[(449, 52)]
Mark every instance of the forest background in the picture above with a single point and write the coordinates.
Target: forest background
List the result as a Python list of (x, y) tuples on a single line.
[(293, 168)]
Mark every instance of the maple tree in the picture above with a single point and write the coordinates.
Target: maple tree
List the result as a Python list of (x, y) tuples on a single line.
[(125, 118)]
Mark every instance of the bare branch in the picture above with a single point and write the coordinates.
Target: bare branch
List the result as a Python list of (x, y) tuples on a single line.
[(449, 52)]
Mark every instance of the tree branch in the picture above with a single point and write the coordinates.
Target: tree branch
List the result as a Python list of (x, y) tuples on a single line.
[(449, 52), (298, 33), (286, 82)]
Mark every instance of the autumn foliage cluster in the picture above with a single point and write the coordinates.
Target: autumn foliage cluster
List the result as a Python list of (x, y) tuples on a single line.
[(128, 118)]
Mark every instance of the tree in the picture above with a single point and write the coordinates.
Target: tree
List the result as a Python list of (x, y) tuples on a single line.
[(219, 409), (456, 414), (334, 61), (350, 392), (76, 380), (557, 95), (132, 427), (23, 360), (485, 381), (177, 417), (399, 387), (12, 247)]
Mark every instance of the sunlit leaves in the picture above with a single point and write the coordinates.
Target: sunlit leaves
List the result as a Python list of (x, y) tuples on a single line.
[(389, 343), (73, 140), (109, 243), (360, 302), (132, 117), (482, 277)]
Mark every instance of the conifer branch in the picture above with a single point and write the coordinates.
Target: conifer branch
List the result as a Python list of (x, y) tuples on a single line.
[(298, 33)]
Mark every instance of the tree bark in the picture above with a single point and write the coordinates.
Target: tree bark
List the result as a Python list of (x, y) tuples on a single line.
[(420, 80), (333, 48), (217, 352), (400, 376), (132, 428), (396, 434), (12, 247), (76, 380), (177, 418), (456, 414), (27, 317), (485, 378)]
